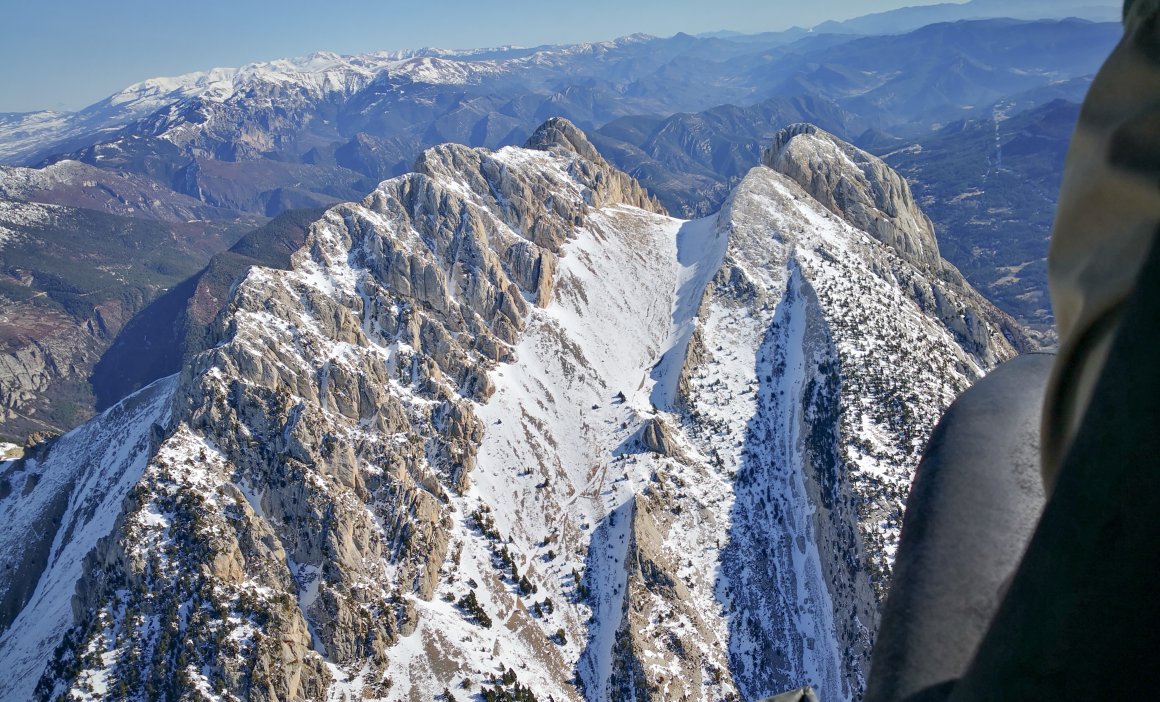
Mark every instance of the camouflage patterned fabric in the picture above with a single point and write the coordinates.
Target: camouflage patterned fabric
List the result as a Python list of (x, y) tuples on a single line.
[(1109, 210)]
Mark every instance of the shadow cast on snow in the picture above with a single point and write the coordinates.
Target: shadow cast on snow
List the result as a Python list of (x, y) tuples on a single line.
[(787, 572)]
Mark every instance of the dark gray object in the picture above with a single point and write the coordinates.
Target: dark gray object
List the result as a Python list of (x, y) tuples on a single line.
[(976, 498), (802, 694)]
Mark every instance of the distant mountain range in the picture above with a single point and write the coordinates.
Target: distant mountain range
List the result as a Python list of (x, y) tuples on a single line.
[(386, 381), (971, 70), (397, 102), (225, 149), (909, 18)]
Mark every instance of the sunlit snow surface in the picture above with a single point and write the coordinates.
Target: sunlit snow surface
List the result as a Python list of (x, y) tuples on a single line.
[(775, 297), (621, 321), (93, 468)]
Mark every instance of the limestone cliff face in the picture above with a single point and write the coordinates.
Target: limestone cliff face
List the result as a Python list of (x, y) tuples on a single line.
[(861, 189), (504, 425), (661, 627), (858, 187)]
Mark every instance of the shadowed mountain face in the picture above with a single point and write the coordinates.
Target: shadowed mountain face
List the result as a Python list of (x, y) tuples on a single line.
[(156, 341), (691, 161), (505, 408)]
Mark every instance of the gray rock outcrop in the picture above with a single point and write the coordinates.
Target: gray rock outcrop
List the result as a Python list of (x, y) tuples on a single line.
[(864, 191), (858, 187)]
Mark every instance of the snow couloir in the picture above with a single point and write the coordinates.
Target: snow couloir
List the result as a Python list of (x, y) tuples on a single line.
[(506, 424)]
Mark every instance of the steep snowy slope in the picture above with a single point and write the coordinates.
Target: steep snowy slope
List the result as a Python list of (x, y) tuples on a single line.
[(506, 426), (56, 506)]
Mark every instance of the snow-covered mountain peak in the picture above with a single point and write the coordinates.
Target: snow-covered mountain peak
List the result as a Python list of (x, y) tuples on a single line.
[(233, 104), (322, 71), (317, 77), (326, 72), (503, 424), (857, 186)]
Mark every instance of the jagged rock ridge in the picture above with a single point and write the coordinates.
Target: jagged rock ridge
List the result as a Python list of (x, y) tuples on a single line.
[(858, 187), (506, 410)]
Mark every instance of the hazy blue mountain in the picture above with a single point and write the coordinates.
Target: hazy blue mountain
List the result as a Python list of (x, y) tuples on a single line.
[(690, 159), (908, 18), (992, 188), (283, 135), (966, 67), (866, 90)]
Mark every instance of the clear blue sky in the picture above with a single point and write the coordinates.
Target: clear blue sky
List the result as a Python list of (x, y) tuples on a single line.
[(65, 54)]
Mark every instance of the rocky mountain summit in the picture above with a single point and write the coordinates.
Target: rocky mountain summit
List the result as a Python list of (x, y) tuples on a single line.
[(504, 428), (858, 187), (866, 192), (215, 154)]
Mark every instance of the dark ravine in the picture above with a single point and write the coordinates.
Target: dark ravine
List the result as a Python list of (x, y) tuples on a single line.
[(155, 342)]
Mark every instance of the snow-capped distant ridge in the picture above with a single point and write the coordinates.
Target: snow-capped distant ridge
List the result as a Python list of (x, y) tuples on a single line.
[(321, 72), (315, 77), (429, 64)]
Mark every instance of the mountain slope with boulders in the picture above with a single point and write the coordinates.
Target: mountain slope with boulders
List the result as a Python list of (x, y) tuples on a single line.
[(506, 428)]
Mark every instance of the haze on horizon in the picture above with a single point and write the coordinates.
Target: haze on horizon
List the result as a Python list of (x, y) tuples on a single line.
[(67, 54)]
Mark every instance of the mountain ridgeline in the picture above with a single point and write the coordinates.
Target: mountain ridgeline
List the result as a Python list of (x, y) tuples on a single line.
[(114, 212), (506, 428)]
